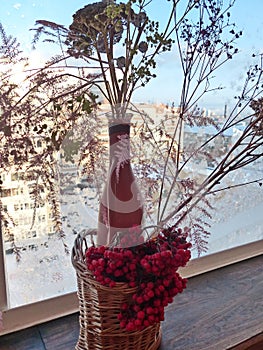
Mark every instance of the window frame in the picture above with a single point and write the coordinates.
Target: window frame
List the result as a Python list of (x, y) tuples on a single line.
[(3, 290)]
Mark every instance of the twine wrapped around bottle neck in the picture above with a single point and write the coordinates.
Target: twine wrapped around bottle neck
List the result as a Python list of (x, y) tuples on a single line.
[(119, 128)]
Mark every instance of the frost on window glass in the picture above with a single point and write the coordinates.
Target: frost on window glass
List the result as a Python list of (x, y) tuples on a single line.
[(44, 269), (237, 218)]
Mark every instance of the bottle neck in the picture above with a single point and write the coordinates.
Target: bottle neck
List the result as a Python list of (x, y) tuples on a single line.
[(116, 130), (119, 142)]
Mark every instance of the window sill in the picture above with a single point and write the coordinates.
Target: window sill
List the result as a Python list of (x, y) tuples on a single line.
[(218, 310)]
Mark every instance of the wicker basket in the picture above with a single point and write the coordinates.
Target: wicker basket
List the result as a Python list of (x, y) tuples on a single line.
[(99, 307)]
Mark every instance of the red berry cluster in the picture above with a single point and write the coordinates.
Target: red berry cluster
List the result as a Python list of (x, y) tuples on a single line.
[(151, 267)]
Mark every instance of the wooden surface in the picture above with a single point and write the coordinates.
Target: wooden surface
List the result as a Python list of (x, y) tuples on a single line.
[(60, 334), (217, 310), (220, 310)]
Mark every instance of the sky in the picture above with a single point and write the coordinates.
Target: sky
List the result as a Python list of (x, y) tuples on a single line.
[(18, 17)]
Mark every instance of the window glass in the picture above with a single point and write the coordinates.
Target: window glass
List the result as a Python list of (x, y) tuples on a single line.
[(44, 268)]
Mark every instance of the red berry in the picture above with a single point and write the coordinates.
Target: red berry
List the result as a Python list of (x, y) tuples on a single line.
[(140, 315)]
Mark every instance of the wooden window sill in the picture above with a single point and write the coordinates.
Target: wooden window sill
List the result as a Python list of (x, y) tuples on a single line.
[(218, 310)]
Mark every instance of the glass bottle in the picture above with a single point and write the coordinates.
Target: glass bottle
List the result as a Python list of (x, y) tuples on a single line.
[(121, 207)]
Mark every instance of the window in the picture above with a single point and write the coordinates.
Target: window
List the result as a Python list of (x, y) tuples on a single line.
[(17, 176), (15, 191), (42, 218), (236, 227), (6, 192), (39, 143)]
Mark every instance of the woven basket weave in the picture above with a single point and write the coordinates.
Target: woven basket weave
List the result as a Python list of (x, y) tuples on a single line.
[(99, 306)]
